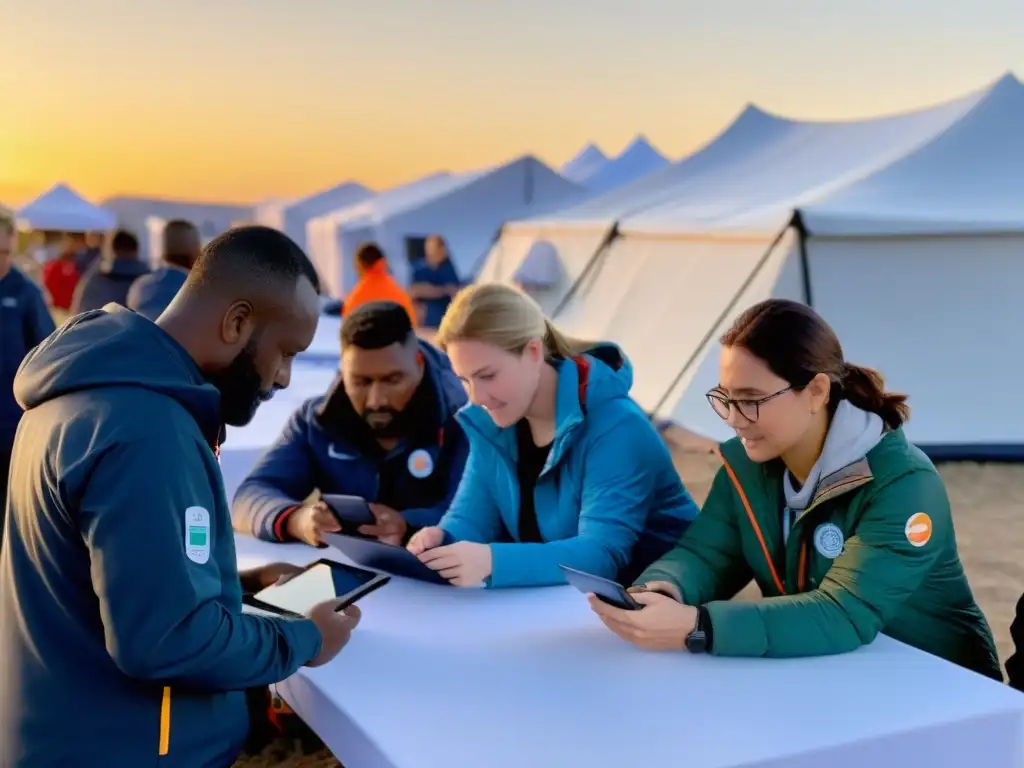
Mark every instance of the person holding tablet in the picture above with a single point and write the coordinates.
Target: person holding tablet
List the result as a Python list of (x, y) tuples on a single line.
[(384, 432), (844, 525), (564, 467)]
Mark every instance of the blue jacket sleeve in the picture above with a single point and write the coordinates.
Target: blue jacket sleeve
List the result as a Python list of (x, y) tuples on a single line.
[(473, 514), (168, 618), (421, 517), (38, 320), (617, 484), (281, 479)]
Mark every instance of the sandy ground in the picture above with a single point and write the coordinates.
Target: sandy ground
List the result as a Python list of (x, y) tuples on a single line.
[(988, 507)]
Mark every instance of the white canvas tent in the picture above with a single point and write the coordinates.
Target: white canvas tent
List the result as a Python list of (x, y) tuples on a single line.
[(585, 164), (145, 218), (291, 217), (904, 232), (637, 160), (466, 209), (64, 210)]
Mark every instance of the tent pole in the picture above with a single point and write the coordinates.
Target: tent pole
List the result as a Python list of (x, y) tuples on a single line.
[(805, 263), (609, 236), (718, 321)]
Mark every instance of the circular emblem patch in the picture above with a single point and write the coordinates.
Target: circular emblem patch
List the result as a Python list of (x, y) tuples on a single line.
[(420, 464), (918, 529), (828, 540)]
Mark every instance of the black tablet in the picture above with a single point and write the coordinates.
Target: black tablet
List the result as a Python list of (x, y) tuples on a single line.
[(320, 581), (351, 511), (389, 558)]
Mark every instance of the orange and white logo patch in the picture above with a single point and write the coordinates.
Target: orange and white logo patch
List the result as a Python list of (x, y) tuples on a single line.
[(919, 529)]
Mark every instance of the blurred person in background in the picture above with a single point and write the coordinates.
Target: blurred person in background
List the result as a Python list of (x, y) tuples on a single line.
[(120, 597), (434, 282), (385, 431), (60, 274), (109, 279), (24, 322), (91, 253), (151, 294), (376, 283)]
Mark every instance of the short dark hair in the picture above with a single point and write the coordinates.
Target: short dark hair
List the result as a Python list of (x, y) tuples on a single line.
[(797, 344), (181, 243), (369, 254), (251, 255), (375, 325), (124, 244)]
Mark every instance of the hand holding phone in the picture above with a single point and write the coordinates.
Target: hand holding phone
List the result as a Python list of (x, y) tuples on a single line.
[(323, 581), (604, 589)]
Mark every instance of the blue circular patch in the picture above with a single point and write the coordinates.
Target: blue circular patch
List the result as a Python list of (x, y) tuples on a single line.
[(828, 540)]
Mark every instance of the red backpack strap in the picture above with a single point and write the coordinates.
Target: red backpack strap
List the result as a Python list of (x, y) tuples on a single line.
[(583, 374)]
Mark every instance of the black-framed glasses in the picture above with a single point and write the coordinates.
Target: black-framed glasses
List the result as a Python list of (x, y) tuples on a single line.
[(747, 408)]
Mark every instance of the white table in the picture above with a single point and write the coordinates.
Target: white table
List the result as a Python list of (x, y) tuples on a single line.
[(438, 677)]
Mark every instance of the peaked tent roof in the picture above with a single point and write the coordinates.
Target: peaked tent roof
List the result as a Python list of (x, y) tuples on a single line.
[(802, 162), (967, 178), (585, 164), (637, 160), (63, 209)]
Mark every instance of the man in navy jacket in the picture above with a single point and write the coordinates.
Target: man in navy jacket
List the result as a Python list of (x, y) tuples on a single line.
[(385, 431)]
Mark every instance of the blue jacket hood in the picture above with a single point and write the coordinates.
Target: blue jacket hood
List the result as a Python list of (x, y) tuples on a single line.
[(114, 347), (610, 377)]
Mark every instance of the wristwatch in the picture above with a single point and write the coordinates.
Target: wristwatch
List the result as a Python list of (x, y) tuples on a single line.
[(699, 639)]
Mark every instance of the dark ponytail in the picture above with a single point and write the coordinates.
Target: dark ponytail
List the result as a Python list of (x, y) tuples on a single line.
[(797, 344), (865, 388)]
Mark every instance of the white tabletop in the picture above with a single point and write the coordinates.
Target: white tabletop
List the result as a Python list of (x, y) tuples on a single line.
[(442, 677)]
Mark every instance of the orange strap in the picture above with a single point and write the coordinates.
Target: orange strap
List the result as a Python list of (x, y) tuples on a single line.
[(802, 572)]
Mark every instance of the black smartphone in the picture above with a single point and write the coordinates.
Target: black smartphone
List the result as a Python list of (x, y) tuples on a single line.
[(320, 581), (607, 590), (351, 511)]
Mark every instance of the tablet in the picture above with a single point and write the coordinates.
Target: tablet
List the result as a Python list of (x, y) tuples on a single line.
[(389, 558), (350, 510), (321, 580), (604, 589)]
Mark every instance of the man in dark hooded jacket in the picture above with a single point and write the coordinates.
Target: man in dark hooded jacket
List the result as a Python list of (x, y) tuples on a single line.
[(122, 637), (108, 280), (151, 294)]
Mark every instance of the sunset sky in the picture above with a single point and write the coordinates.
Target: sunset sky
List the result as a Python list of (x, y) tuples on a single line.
[(245, 99)]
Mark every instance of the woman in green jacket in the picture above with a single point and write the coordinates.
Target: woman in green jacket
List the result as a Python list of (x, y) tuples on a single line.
[(844, 525)]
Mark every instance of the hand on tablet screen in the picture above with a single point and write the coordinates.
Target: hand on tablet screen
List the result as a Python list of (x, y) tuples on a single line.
[(662, 587), (335, 628), (309, 521), (425, 539)]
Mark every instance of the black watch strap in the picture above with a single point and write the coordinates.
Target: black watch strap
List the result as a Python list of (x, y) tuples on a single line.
[(700, 639)]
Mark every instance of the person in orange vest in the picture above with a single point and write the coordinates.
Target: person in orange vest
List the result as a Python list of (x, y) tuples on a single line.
[(376, 283)]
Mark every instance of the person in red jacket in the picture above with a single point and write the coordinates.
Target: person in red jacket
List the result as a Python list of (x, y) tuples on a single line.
[(60, 275)]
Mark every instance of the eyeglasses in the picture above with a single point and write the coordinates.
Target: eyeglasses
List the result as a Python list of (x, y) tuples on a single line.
[(748, 409)]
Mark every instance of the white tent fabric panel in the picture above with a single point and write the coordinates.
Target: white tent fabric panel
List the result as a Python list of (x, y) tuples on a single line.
[(658, 298), (574, 248), (776, 271), (940, 318), (969, 178), (637, 160)]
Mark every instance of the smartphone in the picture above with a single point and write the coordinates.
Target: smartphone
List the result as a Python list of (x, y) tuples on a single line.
[(606, 590), (321, 580), (351, 511)]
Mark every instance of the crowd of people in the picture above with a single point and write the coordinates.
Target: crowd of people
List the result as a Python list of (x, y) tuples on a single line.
[(496, 454)]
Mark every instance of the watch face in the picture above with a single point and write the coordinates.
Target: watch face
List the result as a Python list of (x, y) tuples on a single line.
[(696, 642)]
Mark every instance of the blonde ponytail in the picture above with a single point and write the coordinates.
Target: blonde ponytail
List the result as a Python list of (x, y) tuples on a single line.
[(505, 317)]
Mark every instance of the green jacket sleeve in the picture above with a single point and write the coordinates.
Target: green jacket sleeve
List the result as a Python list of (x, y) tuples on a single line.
[(707, 563), (862, 591)]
